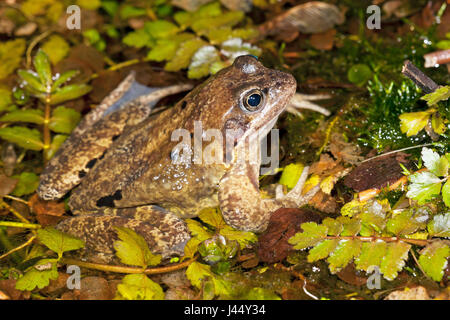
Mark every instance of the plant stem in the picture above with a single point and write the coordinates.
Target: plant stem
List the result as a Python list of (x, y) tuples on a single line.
[(121, 65), (19, 247), (19, 225), (124, 269), (46, 129), (418, 242), (3, 204)]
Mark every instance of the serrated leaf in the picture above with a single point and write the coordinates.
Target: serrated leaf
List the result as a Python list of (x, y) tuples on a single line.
[(132, 249), (334, 227), (69, 92), (438, 123), (440, 94), (352, 208), (197, 272), (191, 248), (394, 260), (139, 287), (57, 141), (413, 122), (24, 115), (138, 39), (61, 79), (311, 235), (56, 48), (27, 183), (351, 226), (345, 251), (213, 217), (165, 49), (42, 65), (227, 19), (322, 250), (424, 186), (64, 120), (11, 53), (436, 164), (372, 254), (31, 80), (202, 61), (446, 193), (183, 55), (242, 237), (291, 174), (24, 137), (198, 230), (58, 241), (161, 29), (440, 225), (35, 278), (402, 223), (433, 259)]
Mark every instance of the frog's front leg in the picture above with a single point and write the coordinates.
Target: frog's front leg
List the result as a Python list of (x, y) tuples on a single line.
[(164, 232), (241, 203)]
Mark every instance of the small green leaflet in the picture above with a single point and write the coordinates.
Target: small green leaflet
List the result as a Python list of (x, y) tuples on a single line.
[(198, 272), (291, 174), (413, 122), (58, 241), (440, 94), (372, 254), (28, 183), (24, 137), (433, 259), (24, 115), (132, 249), (322, 250), (394, 260), (311, 235), (139, 287), (439, 226), (38, 275), (436, 164), (42, 65), (423, 187), (64, 120), (343, 254)]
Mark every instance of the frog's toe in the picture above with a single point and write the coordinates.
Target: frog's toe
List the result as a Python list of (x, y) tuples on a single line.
[(165, 234), (303, 101), (295, 197)]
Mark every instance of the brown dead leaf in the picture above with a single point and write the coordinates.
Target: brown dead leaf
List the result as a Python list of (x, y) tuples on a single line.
[(7, 185), (324, 164), (352, 276), (273, 243), (323, 202), (47, 212), (58, 285), (91, 288), (344, 151), (323, 40), (8, 287)]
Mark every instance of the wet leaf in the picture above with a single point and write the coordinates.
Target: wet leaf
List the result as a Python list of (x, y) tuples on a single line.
[(433, 259), (161, 29), (24, 115), (244, 238), (64, 120), (291, 174), (343, 254), (31, 80), (42, 65), (198, 230), (24, 137), (322, 250), (11, 55), (413, 122), (132, 249), (139, 287), (435, 163), (403, 223), (58, 241), (61, 79), (423, 187), (198, 272), (438, 123), (351, 226), (334, 227), (371, 254), (69, 92), (56, 48), (440, 225), (311, 235), (165, 49), (28, 183), (440, 94), (35, 278), (394, 260), (183, 55), (202, 61)]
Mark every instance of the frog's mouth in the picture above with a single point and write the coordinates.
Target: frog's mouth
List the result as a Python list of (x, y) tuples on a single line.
[(264, 130)]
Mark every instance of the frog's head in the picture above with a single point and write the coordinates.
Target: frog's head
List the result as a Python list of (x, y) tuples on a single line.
[(246, 97)]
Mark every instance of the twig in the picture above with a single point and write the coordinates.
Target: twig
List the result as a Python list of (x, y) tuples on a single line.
[(436, 58), (120, 66), (124, 269), (13, 211), (19, 247), (16, 199), (418, 77), (33, 44)]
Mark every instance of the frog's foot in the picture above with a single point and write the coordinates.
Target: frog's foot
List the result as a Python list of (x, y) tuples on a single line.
[(295, 198), (165, 233), (303, 101)]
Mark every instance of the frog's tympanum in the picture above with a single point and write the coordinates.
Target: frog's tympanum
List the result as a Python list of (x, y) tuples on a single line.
[(121, 161)]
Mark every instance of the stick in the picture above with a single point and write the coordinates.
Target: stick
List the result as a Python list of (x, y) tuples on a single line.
[(418, 77)]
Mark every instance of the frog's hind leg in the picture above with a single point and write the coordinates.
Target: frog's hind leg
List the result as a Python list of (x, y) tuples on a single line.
[(164, 232), (125, 107)]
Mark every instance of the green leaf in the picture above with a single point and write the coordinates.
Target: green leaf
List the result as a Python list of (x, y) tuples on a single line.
[(394, 260), (435, 163), (403, 223), (198, 272), (359, 74), (186, 19), (440, 225), (57, 141), (26, 138), (5, 98), (438, 123), (191, 248), (138, 39), (213, 217), (372, 254), (311, 235), (198, 230), (352, 226), (161, 29), (343, 254), (69, 92), (334, 227), (261, 294), (42, 65), (443, 44), (11, 53), (89, 4), (132, 249), (291, 174), (165, 49), (61, 79), (128, 11), (202, 61), (424, 186), (433, 259), (35, 278), (322, 250), (413, 122), (24, 115), (139, 287), (440, 94), (183, 55), (58, 241), (56, 48), (31, 80), (64, 120), (446, 193), (242, 237), (28, 183), (228, 19)]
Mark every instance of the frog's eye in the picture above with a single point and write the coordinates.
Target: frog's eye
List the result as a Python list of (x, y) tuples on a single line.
[(253, 100)]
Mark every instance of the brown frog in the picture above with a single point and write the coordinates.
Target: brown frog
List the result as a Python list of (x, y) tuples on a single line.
[(122, 159)]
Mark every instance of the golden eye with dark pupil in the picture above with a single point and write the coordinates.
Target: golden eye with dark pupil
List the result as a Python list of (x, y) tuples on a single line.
[(253, 101)]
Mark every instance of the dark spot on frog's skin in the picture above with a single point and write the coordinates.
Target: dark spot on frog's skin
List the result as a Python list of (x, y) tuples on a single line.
[(81, 174), (108, 201), (114, 138), (102, 156), (265, 90), (91, 163), (183, 105), (192, 135)]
